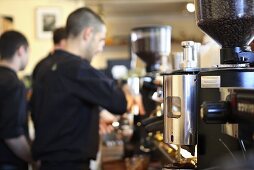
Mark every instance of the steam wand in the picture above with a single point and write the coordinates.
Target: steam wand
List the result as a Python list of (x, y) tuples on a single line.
[(243, 148), (231, 153)]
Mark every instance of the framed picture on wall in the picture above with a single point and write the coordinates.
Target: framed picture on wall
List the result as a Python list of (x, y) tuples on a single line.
[(47, 19), (6, 23)]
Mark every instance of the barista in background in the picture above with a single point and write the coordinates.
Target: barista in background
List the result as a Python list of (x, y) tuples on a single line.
[(59, 38), (14, 143), (59, 41), (66, 94)]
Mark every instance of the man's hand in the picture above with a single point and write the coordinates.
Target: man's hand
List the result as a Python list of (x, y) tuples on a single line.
[(139, 103), (106, 120), (105, 127), (134, 102)]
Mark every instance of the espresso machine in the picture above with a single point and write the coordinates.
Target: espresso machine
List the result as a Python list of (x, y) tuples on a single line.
[(180, 107), (213, 108), (225, 122)]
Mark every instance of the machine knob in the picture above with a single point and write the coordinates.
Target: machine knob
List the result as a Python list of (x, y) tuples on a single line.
[(187, 43), (215, 112)]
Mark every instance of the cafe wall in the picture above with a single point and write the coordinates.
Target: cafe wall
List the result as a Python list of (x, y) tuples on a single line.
[(24, 15)]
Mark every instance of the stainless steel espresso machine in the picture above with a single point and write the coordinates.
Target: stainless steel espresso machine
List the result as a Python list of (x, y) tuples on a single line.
[(213, 108), (180, 107)]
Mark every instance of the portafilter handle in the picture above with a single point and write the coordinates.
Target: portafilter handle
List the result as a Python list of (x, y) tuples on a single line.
[(150, 120)]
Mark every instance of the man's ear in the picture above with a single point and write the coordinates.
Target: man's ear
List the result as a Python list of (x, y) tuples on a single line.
[(87, 32), (21, 50)]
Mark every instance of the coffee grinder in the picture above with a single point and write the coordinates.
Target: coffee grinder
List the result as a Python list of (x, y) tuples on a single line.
[(152, 44), (225, 93)]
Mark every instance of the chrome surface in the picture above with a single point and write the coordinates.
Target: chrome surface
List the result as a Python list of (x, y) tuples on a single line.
[(180, 112), (191, 54)]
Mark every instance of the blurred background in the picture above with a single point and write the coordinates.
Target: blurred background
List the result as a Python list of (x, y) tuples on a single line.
[(120, 16)]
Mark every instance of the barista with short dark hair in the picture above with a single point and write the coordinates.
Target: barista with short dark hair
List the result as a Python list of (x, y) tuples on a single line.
[(14, 145), (66, 94)]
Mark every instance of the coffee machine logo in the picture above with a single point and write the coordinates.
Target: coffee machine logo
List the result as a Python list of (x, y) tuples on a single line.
[(246, 107), (210, 82)]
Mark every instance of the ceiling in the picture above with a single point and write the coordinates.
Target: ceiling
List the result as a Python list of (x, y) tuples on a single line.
[(137, 7), (134, 9), (133, 1), (123, 15)]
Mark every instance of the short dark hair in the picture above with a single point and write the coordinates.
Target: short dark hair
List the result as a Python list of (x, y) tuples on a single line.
[(81, 18), (10, 41), (59, 34)]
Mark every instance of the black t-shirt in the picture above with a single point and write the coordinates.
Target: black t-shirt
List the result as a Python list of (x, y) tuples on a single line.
[(38, 66), (66, 94), (13, 113)]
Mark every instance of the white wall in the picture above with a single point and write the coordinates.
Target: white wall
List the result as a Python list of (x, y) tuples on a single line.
[(23, 12)]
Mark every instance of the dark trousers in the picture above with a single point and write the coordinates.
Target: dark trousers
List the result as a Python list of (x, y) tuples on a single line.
[(65, 165), (12, 167)]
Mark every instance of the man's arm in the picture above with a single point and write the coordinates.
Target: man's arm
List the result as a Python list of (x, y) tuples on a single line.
[(20, 147)]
